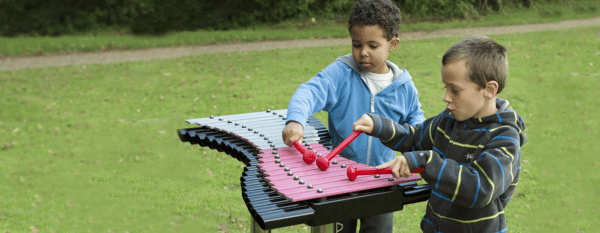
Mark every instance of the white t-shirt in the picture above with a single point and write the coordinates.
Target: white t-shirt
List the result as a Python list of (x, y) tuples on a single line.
[(378, 82)]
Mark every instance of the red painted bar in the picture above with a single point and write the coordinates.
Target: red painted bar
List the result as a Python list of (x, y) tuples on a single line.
[(348, 187), (333, 181)]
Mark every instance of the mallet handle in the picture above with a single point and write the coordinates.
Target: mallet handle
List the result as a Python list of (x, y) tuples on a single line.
[(299, 147), (353, 171), (387, 170), (343, 145)]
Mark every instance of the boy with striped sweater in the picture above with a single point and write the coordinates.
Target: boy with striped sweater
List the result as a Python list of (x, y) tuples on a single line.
[(470, 151)]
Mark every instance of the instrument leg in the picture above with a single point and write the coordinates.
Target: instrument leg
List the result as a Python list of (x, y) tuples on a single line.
[(326, 228), (255, 228)]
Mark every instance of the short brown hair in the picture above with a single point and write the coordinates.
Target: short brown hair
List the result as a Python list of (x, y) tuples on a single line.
[(485, 60)]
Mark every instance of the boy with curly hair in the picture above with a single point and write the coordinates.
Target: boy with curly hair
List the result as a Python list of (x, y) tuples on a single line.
[(471, 151), (358, 83)]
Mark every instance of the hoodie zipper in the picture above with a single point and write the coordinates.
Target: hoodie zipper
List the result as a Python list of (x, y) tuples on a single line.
[(370, 137)]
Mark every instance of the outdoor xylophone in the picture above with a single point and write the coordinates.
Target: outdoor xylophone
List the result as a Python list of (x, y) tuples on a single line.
[(281, 189)]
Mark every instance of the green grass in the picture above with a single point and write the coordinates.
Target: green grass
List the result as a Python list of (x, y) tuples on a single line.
[(301, 28), (93, 148)]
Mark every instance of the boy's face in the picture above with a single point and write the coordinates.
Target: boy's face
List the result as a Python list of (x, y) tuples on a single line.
[(465, 98), (370, 48)]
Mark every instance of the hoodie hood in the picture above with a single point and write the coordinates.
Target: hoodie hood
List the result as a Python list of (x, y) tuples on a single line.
[(505, 115), (401, 76)]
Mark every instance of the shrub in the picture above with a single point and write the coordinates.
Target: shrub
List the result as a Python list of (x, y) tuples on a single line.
[(56, 17), (226, 14)]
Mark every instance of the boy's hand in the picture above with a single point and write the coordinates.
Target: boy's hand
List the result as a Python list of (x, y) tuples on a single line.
[(399, 167), (365, 124), (293, 131)]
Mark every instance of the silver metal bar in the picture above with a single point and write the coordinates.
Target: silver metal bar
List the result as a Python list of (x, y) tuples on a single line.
[(262, 129), (244, 117)]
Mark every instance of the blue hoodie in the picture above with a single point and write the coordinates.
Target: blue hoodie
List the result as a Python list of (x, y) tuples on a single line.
[(339, 89)]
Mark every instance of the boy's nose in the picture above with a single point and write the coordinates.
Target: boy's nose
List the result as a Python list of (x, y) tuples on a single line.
[(364, 53), (447, 98)]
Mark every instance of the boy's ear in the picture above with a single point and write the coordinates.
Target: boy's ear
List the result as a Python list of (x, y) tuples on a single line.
[(394, 43), (491, 89)]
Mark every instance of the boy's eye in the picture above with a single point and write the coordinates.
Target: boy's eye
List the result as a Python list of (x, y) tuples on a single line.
[(454, 91), (373, 46), (356, 45)]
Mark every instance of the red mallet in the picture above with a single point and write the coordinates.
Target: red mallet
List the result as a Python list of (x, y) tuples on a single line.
[(323, 161), (308, 156), (353, 172)]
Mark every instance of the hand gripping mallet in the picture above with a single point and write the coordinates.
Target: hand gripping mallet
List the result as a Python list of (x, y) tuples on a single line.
[(323, 161), (353, 172), (308, 156)]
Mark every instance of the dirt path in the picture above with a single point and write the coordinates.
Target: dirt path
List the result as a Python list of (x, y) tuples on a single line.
[(20, 62)]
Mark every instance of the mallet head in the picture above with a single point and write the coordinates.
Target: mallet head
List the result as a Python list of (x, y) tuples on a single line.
[(309, 156), (351, 172), (322, 163)]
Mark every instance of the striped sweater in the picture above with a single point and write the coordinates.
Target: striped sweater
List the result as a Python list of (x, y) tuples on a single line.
[(472, 166)]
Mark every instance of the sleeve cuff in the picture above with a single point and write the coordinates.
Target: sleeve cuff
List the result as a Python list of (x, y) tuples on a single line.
[(416, 159), (291, 116), (376, 125)]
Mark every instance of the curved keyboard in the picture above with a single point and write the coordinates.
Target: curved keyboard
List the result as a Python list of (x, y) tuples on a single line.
[(252, 137)]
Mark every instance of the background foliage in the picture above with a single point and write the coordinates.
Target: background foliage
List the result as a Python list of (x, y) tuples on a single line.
[(93, 148), (54, 17)]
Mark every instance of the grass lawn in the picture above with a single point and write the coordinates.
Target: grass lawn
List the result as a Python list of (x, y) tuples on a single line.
[(93, 148), (301, 28)]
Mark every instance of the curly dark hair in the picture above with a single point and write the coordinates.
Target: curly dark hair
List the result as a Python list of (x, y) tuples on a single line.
[(376, 12)]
